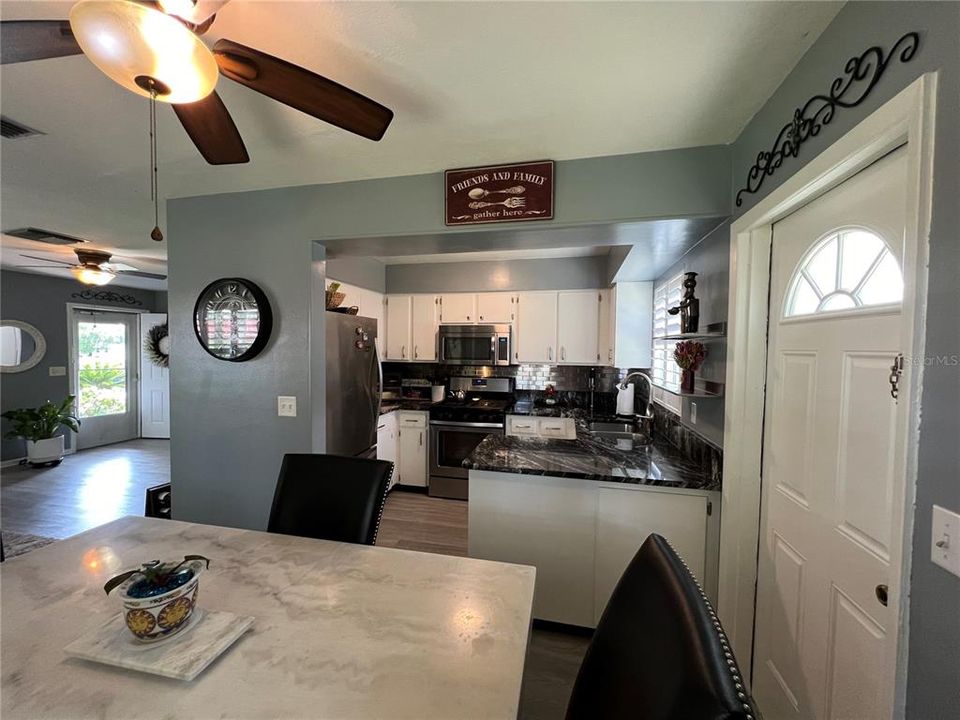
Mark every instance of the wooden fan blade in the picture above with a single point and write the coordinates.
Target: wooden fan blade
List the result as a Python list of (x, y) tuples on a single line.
[(212, 130), (24, 40), (301, 89)]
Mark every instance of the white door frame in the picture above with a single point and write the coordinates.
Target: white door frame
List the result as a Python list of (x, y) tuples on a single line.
[(906, 118), (71, 363)]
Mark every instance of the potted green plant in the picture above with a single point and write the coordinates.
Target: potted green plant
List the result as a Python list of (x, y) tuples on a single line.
[(39, 427), (159, 597)]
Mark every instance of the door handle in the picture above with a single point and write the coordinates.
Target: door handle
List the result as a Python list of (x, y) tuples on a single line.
[(403, 351), (882, 594), (563, 353), (421, 438), (549, 353), (415, 354)]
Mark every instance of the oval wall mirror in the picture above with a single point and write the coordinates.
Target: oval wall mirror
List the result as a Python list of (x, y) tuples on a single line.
[(22, 346)]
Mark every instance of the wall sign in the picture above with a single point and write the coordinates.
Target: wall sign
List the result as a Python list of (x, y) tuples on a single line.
[(862, 73), (499, 193)]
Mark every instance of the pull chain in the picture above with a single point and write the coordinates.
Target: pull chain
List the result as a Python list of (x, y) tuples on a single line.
[(154, 182)]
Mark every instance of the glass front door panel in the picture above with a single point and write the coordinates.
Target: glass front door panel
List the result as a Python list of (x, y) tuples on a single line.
[(101, 368)]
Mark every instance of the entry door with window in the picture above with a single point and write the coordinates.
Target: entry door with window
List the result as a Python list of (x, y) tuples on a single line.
[(105, 357), (833, 477)]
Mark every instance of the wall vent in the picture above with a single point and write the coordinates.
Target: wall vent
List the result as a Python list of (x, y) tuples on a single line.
[(12, 130), (44, 236)]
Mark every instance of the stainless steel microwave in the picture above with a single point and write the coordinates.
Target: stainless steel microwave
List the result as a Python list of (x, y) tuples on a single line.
[(475, 344)]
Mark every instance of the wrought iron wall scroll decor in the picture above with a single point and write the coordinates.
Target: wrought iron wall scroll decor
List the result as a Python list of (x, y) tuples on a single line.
[(106, 296), (862, 74)]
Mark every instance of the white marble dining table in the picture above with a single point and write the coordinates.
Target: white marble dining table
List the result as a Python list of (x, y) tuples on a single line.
[(340, 630)]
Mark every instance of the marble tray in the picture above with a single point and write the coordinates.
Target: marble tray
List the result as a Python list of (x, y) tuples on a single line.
[(182, 656)]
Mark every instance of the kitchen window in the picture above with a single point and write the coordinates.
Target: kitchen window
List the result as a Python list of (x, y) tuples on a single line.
[(666, 373)]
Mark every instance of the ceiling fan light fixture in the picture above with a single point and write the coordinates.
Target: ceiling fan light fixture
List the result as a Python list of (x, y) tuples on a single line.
[(144, 50), (92, 275)]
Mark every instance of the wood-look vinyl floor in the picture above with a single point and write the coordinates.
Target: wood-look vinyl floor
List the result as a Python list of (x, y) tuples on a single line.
[(96, 486), (89, 488)]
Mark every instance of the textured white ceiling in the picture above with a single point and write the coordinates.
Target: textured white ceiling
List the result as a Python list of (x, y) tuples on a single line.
[(470, 83)]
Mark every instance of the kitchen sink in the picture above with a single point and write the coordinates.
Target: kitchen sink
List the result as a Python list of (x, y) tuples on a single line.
[(614, 431)]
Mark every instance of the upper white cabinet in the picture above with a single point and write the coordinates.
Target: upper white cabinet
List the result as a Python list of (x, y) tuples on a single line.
[(458, 308), (629, 326), (399, 330), (578, 322), (495, 308), (535, 338), (412, 327), (424, 327), (605, 331)]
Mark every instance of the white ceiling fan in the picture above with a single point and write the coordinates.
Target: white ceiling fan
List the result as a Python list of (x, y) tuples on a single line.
[(94, 267)]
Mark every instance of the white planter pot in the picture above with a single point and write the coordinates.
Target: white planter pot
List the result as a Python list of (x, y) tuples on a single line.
[(49, 450)]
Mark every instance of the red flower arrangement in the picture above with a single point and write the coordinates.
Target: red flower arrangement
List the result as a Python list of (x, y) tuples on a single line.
[(689, 354)]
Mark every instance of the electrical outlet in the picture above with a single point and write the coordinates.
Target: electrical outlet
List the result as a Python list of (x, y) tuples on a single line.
[(945, 540), (57, 371), (693, 413), (286, 406)]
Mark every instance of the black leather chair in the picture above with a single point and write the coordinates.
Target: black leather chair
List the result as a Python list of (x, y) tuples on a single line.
[(659, 652), (329, 497)]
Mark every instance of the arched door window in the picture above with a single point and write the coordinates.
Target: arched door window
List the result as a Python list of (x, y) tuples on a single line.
[(849, 269)]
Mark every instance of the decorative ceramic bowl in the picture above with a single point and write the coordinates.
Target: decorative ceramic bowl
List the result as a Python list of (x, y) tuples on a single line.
[(152, 613)]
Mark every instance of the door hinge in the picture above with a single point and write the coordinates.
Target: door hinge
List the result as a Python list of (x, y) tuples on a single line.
[(709, 508), (896, 370)]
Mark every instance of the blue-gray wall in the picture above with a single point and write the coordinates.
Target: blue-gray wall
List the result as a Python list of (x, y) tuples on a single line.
[(582, 273), (710, 259), (41, 300), (362, 272), (933, 686), (226, 439)]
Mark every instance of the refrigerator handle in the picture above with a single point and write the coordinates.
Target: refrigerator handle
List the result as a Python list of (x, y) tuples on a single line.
[(376, 359)]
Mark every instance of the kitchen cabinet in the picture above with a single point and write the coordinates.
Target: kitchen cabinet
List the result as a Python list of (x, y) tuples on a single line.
[(413, 434), (495, 308), (536, 333), (626, 516), (578, 322), (605, 331), (543, 427), (581, 534), (399, 316), (630, 326), (387, 448), (458, 308), (423, 334)]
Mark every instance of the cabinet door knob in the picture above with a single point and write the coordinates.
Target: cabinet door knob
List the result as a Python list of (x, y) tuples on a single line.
[(881, 591)]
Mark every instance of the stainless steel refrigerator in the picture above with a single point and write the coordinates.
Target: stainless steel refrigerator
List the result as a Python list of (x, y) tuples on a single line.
[(354, 381)]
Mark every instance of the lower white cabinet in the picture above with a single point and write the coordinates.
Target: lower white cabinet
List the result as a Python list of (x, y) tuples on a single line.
[(413, 432), (387, 446), (581, 534), (545, 427)]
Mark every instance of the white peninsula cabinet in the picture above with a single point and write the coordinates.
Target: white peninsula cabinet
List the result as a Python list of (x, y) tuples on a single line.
[(581, 534), (412, 463)]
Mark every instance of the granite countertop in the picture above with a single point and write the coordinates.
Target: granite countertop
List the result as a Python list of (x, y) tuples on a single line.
[(330, 622), (591, 457), (389, 406)]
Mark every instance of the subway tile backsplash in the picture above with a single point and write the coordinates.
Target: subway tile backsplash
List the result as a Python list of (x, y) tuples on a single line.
[(527, 377)]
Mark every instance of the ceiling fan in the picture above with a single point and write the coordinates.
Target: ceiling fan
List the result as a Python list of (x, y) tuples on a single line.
[(154, 49), (95, 268)]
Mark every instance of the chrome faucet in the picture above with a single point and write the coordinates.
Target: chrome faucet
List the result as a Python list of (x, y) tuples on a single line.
[(648, 412)]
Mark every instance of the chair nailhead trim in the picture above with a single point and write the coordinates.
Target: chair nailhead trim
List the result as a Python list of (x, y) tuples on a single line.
[(383, 504)]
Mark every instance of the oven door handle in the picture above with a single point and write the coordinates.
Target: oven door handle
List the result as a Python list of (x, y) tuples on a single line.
[(448, 423)]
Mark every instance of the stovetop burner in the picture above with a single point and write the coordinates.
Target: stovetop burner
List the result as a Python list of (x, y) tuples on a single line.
[(472, 409)]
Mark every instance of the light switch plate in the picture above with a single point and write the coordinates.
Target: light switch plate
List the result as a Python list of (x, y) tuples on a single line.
[(945, 540), (286, 406), (57, 371)]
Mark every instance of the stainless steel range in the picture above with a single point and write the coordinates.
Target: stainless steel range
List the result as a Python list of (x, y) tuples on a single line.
[(477, 408)]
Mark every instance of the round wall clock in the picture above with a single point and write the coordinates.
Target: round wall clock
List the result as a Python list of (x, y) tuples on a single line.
[(232, 319)]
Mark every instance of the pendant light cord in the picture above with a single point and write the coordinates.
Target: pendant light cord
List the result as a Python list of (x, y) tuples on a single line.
[(154, 179)]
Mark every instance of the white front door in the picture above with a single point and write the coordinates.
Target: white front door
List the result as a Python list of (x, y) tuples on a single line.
[(154, 383), (104, 361), (833, 465)]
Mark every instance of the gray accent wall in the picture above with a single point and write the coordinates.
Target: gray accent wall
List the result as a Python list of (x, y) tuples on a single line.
[(226, 439), (933, 684), (580, 273), (41, 300), (362, 272), (710, 259)]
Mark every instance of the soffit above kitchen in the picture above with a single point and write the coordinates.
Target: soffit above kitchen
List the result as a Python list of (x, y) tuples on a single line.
[(470, 83)]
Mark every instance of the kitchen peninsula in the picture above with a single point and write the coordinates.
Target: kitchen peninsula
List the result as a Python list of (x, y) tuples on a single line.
[(579, 509)]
